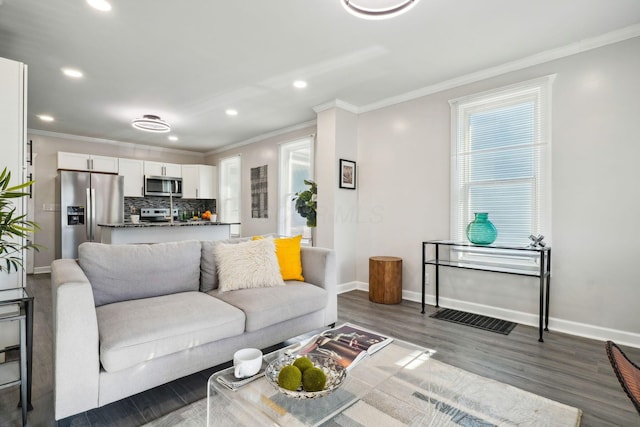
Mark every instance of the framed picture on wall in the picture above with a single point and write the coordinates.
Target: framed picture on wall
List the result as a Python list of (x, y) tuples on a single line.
[(347, 174)]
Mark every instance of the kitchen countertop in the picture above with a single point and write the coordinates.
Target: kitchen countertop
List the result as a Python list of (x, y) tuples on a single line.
[(164, 224), (156, 232)]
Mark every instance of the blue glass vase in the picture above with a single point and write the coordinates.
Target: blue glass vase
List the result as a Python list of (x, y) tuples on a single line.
[(481, 231)]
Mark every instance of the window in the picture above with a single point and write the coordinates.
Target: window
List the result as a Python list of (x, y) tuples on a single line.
[(500, 164), (296, 165), (230, 192)]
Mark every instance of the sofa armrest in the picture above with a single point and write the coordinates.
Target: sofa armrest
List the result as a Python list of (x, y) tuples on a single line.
[(76, 362), (319, 268)]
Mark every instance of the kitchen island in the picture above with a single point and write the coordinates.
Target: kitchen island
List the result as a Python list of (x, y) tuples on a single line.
[(155, 232)]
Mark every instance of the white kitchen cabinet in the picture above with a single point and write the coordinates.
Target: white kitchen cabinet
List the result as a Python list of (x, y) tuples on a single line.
[(87, 162), (104, 164), (153, 168), (199, 182), (173, 170), (133, 172), (162, 169)]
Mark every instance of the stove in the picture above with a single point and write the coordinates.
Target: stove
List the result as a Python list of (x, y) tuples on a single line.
[(157, 214)]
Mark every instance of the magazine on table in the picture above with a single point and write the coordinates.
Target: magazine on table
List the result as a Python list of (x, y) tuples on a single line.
[(346, 343), (230, 381)]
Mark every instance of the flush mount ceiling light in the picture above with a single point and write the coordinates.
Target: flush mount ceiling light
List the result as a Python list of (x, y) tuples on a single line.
[(101, 5), (45, 117), (151, 123), (300, 84), (72, 72), (231, 112), (377, 9)]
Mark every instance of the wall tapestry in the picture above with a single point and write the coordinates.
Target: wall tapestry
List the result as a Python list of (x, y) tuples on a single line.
[(259, 195)]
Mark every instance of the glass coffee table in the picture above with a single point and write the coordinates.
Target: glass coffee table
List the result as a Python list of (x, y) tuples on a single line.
[(370, 395)]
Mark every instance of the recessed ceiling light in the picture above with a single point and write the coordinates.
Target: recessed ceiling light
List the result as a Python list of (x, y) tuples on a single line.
[(231, 112), (151, 123), (101, 5), (72, 72), (45, 117), (173, 138), (300, 84), (377, 9)]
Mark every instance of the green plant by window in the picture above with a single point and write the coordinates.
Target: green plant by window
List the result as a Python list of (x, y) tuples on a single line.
[(13, 227), (306, 203)]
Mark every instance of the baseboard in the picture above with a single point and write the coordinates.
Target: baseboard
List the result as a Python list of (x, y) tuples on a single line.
[(42, 270), (349, 286), (595, 332), (555, 325)]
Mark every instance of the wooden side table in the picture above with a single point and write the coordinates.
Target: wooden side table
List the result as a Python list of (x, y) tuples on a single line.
[(385, 279)]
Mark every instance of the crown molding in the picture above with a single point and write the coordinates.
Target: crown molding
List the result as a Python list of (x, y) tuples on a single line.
[(262, 137), (540, 58), (337, 103), (110, 142)]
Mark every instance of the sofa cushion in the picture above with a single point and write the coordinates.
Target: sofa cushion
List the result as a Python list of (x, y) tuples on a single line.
[(208, 269), (267, 306), (288, 253), (132, 332), (245, 265), (126, 272)]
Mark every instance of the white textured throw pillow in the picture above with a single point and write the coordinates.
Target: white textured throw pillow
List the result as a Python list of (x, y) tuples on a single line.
[(250, 264)]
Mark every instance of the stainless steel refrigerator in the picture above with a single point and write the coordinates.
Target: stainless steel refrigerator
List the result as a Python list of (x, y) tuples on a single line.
[(86, 200)]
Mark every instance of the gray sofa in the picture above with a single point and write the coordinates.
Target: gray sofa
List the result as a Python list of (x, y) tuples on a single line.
[(127, 318)]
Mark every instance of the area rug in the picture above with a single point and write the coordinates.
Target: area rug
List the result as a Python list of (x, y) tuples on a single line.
[(478, 321), (441, 396)]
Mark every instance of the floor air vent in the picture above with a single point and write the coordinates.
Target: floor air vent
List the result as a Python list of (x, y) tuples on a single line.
[(475, 320)]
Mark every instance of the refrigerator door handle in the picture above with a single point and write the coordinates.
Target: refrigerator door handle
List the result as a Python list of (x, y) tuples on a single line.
[(93, 214), (87, 216)]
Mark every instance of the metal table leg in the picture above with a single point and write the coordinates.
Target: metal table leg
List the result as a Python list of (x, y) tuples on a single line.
[(424, 268), (541, 306), (28, 309), (29, 312), (24, 376), (437, 276)]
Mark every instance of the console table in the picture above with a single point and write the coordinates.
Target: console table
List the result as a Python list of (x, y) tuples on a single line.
[(23, 314), (542, 270)]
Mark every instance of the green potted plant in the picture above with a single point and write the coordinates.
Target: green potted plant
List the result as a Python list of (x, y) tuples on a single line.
[(306, 203), (13, 227)]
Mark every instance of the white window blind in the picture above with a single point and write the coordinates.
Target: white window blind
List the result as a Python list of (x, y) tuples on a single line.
[(230, 192), (296, 165), (500, 161)]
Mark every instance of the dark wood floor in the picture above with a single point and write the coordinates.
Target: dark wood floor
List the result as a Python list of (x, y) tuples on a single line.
[(568, 369)]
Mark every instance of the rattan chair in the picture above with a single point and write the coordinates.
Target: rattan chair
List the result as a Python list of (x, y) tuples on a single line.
[(628, 373)]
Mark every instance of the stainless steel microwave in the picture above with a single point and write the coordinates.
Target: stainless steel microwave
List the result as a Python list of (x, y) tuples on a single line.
[(162, 186)]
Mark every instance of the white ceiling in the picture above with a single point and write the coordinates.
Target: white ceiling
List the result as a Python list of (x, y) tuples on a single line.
[(188, 61)]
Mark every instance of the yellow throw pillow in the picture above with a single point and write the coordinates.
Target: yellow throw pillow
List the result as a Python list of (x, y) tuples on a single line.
[(288, 253)]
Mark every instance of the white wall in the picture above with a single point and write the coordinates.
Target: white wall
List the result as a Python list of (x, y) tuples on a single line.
[(346, 200), (404, 177), (45, 149), (337, 207), (12, 122), (326, 177), (260, 153)]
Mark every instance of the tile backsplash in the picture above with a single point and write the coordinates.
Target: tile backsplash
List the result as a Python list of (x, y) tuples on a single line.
[(134, 204)]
